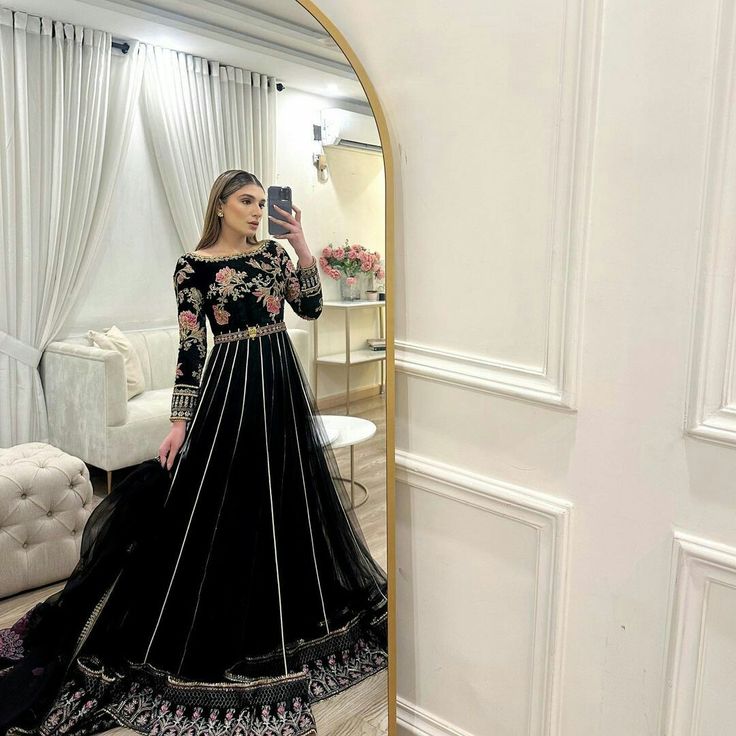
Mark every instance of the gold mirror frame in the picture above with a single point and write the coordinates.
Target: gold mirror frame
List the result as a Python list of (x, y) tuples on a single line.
[(388, 169)]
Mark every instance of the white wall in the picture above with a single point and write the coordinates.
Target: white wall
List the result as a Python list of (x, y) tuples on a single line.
[(563, 179), (131, 285)]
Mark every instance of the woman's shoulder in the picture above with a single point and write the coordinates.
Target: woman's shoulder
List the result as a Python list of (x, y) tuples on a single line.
[(193, 258), (190, 256), (184, 270), (185, 262)]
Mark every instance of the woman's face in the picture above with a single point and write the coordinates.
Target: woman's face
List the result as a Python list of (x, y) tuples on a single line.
[(243, 209)]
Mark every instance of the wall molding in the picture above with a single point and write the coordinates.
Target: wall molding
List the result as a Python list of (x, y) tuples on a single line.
[(550, 517), (556, 383), (478, 373), (416, 721), (711, 402), (697, 565)]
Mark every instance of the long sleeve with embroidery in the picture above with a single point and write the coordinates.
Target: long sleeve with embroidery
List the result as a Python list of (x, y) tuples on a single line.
[(303, 287), (192, 341)]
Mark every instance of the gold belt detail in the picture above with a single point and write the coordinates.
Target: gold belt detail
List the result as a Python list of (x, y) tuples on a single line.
[(249, 333)]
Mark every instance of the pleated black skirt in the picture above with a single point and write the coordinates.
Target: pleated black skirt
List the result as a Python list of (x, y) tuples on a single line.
[(223, 597)]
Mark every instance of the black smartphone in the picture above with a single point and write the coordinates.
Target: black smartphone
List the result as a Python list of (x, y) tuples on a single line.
[(280, 196)]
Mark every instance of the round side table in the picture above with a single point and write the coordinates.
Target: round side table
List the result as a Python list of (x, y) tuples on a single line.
[(347, 431)]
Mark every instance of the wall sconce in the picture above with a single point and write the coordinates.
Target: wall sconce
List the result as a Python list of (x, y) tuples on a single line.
[(319, 160)]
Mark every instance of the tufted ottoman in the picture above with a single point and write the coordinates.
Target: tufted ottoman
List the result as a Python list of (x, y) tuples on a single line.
[(45, 500)]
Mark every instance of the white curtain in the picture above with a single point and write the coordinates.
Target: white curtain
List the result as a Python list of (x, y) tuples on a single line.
[(205, 118), (64, 130)]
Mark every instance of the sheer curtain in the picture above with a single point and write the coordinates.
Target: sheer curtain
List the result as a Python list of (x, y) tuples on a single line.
[(205, 118), (64, 130)]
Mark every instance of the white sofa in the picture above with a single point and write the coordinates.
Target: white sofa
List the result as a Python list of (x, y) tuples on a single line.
[(88, 410)]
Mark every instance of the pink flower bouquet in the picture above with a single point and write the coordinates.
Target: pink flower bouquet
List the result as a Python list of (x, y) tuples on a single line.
[(349, 261)]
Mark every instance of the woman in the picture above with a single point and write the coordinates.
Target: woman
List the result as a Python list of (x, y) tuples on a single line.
[(222, 587)]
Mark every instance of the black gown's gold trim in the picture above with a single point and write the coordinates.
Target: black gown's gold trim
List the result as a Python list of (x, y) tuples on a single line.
[(184, 400), (228, 256), (308, 276), (248, 333)]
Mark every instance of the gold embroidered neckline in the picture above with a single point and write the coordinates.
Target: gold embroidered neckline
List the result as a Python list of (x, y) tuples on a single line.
[(224, 257)]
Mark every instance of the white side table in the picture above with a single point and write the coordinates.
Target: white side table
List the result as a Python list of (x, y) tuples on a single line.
[(348, 432), (351, 356)]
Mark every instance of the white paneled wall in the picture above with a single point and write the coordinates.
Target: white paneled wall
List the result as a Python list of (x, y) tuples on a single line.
[(511, 545), (702, 639), (565, 265), (526, 278), (712, 397)]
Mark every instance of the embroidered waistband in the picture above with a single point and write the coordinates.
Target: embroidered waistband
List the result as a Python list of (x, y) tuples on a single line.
[(250, 332)]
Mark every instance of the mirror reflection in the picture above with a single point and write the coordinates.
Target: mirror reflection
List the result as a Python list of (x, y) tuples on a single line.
[(192, 376)]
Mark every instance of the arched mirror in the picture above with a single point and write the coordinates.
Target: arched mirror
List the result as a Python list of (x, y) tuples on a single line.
[(196, 373)]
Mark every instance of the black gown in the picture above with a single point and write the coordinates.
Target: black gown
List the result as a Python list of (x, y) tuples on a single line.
[(225, 596)]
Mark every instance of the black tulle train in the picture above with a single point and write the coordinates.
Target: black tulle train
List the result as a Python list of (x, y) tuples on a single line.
[(221, 597)]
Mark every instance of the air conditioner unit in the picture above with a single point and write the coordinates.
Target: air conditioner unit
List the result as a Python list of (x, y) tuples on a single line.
[(349, 129)]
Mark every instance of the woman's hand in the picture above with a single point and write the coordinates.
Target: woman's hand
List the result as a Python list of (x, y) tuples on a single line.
[(172, 443), (295, 235)]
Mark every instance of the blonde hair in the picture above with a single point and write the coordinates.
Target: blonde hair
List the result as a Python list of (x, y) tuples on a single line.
[(225, 184)]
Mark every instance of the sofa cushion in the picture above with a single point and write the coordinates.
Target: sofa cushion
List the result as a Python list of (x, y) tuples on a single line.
[(151, 404), (157, 350), (141, 435), (114, 339)]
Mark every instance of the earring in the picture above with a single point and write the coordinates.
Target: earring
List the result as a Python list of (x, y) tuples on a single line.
[(219, 214)]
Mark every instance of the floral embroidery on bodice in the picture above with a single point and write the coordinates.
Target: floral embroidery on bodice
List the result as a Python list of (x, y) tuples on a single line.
[(232, 293)]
